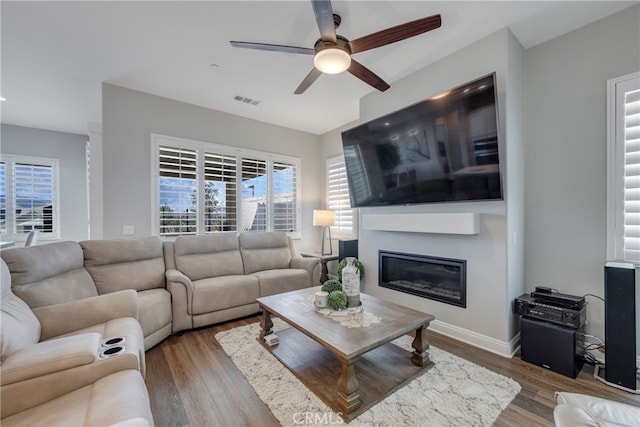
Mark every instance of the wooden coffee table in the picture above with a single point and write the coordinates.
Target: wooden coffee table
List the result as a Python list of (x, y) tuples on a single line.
[(334, 360)]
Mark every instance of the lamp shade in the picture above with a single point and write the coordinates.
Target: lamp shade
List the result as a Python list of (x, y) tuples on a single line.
[(324, 218)]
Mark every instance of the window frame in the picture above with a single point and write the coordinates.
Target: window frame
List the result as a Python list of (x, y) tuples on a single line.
[(10, 160), (201, 148), (339, 232), (616, 88)]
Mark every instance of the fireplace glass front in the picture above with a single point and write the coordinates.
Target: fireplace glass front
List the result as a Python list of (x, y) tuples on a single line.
[(440, 279)]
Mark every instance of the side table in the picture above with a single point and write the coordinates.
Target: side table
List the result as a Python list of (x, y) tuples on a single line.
[(323, 262)]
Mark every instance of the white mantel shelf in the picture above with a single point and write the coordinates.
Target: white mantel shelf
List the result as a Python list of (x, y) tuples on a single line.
[(441, 223)]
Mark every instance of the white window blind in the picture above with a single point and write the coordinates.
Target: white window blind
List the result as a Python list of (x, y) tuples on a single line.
[(254, 195), (177, 190), (203, 188), (285, 200), (338, 198), (220, 205), (624, 169), (28, 193), (632, 176)]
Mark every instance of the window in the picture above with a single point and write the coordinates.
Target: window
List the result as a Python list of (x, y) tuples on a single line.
[(28, 196), (207, 188), (338, 199), (623, 193)]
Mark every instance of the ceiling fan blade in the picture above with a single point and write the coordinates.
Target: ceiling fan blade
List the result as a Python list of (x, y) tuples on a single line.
[(324, 17), (308, 81), (395, 34), (273, 47), (367, 76)]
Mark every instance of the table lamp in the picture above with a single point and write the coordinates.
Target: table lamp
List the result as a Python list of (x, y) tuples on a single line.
[(324, 219)]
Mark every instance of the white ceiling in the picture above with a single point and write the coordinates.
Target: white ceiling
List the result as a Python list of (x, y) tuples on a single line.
[(56, 54)]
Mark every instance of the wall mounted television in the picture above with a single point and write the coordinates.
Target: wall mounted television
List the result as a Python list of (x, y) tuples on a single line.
[(443, 149)]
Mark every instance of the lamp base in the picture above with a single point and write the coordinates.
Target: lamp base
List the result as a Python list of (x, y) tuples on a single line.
[(323, 251)]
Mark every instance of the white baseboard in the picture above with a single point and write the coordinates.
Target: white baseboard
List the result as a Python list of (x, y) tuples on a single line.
[(502, 348)]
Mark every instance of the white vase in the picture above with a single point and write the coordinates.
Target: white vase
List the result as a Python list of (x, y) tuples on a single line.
[(351, 283)]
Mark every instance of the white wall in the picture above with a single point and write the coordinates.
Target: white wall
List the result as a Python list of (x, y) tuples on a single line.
[(566, 155), (70, 150), (129, 119), (487, 320)]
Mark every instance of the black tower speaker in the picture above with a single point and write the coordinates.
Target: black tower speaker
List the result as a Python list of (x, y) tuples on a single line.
[(620, 324), (554, 347), (347, 248)]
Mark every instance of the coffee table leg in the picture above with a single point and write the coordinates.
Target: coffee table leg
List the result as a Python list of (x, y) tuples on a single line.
[(420, 344), (266, 324), (348, 396)]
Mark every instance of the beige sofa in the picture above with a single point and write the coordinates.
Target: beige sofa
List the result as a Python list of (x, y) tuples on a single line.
[(217, 277), (64, 272), (71, 379)]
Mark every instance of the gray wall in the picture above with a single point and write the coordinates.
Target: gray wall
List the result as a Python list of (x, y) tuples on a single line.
[(566, 159), (70, 150), (129, 119), (488, 317)]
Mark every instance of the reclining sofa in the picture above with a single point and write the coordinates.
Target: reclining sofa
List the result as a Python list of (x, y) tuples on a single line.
[(63, 302)]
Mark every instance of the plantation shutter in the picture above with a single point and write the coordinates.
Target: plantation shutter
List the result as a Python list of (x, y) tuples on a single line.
[(285, 191), (178, 188), (254, 195), (220, 193), (631, 214), (3, 195), (33, 194), (338, 199)]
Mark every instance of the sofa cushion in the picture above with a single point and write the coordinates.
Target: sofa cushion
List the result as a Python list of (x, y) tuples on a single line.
[(154, 310), (118, 399), (577, 410), (219, 293), (211, 255), (282, 280), (264, 251), (121, 264), (49, 274), (19, 326)]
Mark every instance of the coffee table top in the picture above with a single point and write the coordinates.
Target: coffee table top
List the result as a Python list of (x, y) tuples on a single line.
[(396, 320)]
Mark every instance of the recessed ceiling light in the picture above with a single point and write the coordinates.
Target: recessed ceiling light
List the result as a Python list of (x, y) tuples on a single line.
[(2, 99)]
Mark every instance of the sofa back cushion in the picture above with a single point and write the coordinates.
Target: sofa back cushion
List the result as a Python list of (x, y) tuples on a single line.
[(49, 274), (264, 251), (211, 255), (120, 264), (19, 326)]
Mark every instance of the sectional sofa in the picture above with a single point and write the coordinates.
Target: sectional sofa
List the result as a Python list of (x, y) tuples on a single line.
[(73, 296)]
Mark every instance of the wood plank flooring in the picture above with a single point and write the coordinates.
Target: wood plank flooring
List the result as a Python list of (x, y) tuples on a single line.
[(192, 382)]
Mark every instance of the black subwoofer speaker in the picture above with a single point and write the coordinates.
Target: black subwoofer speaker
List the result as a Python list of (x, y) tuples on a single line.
[(554, 347), (347, 248), (620, 324)]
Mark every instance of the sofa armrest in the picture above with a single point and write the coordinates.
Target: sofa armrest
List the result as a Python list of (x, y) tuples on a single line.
[(50, 356), (311, 264), (181, 289), (60, 319)]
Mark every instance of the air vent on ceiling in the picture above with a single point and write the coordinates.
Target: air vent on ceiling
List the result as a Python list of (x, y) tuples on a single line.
[(246, 100)]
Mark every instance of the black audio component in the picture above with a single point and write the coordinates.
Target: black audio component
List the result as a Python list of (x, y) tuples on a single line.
[(552, 346), (620, 324), (526, 305), (558, 299), (347, 248)]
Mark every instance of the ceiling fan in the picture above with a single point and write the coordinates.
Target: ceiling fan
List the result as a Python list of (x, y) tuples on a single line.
[(332, 52)]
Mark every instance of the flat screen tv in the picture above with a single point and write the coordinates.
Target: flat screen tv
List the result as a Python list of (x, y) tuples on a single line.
[(443, 149)]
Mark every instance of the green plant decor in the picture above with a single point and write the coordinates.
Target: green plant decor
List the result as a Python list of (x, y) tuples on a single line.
[(342, 264), (332, 285), (337, 300)]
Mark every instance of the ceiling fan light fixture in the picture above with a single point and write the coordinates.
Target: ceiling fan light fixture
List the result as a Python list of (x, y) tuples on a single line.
[(332, 60)]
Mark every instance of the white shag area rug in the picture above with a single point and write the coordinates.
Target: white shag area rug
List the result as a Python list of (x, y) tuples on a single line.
[(455, 392)]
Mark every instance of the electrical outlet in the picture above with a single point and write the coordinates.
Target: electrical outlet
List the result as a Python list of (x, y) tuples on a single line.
[(128, 230)]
